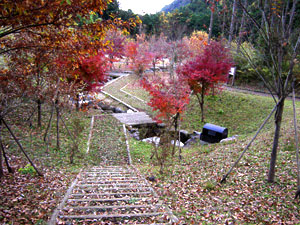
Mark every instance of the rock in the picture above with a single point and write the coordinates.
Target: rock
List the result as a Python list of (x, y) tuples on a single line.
[(184, 136), (152, 140), (191, 141), (177, 144), (117, 110), (135, 134), (104, 106), (196, 133), (151, 178), (161, 125), (233, 138)]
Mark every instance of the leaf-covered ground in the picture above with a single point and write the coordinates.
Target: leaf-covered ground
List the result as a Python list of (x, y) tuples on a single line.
[(192, 188), (27, 198)]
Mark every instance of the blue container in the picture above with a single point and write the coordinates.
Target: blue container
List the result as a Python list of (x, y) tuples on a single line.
[(213, 134)]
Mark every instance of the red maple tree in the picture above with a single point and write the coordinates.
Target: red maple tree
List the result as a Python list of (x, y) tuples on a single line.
[(206, 70), (139, 55)]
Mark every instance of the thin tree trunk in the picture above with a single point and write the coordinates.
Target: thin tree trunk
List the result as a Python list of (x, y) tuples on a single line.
[(242, 28), (39, 107), (77, 102), (224, 19), (278, 120), (249, 144), (57, 126), (10, 170), (1, 165), (232, 23), (201, 103), (49, 124), (211, 21), (176, 127), (21, 147), (296, 139)]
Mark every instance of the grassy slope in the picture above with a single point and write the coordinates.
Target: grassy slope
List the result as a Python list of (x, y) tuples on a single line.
[(191, 187), (114, 89), (22, 193)]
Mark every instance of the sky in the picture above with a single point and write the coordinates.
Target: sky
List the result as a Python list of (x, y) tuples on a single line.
[(144, 6)]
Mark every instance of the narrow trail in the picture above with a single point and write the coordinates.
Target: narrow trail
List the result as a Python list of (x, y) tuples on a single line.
[(252, 92), (111, 193)]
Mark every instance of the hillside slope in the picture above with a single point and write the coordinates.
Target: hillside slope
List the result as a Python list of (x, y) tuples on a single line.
[(175, 5)]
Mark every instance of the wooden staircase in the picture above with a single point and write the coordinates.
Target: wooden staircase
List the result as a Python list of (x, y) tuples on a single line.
[(112, 195)]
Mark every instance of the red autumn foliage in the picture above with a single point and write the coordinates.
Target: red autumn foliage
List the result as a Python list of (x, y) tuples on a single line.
[(206, 70), (139, 55), (92, 70), (167, 97)]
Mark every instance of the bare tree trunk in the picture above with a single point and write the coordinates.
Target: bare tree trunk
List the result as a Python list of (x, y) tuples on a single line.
[(21, 147), (278, 120), (39, 107), (242, 28), (232, 23), (201, 103), (1, 165), (296, 140), (10, 170), (49, 124), (211, 22), (224, 19), (57, 125), (77, 102)]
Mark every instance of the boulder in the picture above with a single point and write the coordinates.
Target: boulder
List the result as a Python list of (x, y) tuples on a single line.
[(152, 140), (117, 110), (184, 136), (233, 138), (191, 141), (177, 143), (104, 106)]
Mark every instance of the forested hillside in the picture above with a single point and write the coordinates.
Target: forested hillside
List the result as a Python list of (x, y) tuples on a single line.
[(175, 5)]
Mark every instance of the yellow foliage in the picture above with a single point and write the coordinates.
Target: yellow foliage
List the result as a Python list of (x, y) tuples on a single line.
[(197, 41)]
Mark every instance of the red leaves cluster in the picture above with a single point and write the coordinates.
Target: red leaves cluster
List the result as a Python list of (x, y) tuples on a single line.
[(139, 55), (167, 97), (207, 69), (92, 70)]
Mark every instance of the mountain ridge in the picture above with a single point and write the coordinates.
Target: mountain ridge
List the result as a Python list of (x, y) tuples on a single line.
[(176, 4)]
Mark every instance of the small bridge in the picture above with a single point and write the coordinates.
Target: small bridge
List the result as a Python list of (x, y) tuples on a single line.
[(132, 119)]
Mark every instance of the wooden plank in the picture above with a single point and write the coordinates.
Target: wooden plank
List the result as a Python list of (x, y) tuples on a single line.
[(113, 185), (84, 182), (114, 189), (106, 200), (112, 207), (110, 178), (112, 194), (111, 216)]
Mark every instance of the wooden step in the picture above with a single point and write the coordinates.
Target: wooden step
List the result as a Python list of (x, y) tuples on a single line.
[(109, 216), (107, 199), (157, 206), (113, 189), (112, 185), (111, 194), (83, 182)]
